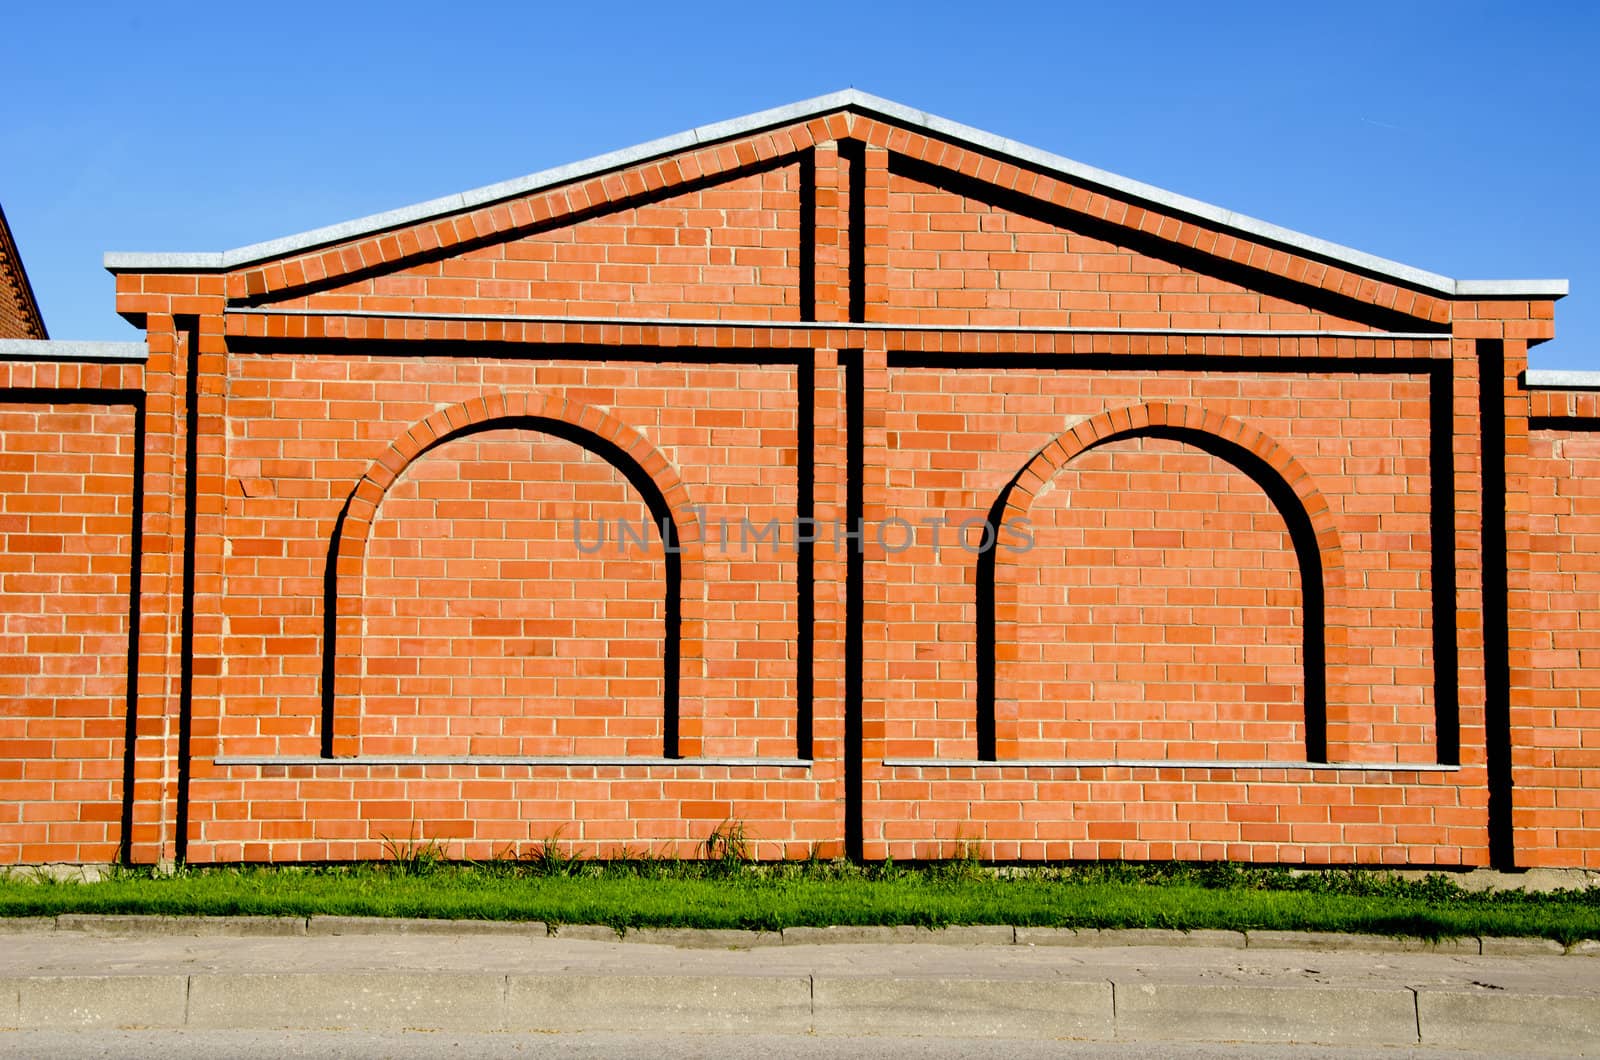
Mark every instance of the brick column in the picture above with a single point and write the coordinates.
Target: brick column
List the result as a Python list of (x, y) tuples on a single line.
[(830, 223), (829, 560), (155, 781), (201, 743)]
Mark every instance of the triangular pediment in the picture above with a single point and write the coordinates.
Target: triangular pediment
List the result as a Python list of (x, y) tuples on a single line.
[(721, 223)]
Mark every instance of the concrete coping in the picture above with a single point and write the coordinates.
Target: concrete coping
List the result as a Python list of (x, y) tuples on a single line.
[(869, 105), (1551, 379), (1165, 763), (58, 350), (503, 760)]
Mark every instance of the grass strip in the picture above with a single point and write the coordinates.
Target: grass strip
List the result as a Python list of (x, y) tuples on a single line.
[(731, 894)]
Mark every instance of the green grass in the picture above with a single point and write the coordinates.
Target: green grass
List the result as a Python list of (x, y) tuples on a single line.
[(727, 891)]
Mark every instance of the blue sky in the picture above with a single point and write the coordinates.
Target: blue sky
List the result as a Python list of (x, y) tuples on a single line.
[(1459, 138)]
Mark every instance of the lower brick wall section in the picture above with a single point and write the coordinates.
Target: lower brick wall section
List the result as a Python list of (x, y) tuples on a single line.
[(66, 518), (1309, 816), (68, 501), (1555, 706), (342, 812)]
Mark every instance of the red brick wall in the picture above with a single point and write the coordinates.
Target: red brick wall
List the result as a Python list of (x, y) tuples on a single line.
[(478, 599), (1251, 624), (728, 252), (1157, 614), (954, 260), (66, 538), (955, 438), (1556, 726)]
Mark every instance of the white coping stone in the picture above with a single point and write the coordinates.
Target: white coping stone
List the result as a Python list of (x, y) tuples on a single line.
[(58, 350), (864, 103), (501, 760), (1549, 379), (1163, 763)]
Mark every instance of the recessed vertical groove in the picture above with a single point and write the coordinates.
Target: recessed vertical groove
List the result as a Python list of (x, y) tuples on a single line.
[(188, 330), (805, 553), (855, 152), (1442, 527), (130, 720), (808, 236), (855, 603), (1496, 628)]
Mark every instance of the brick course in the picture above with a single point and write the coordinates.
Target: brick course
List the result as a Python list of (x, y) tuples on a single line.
[(800, 365)]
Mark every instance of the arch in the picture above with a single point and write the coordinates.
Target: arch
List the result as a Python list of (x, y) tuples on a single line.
[(625, 449), (1288, 486)]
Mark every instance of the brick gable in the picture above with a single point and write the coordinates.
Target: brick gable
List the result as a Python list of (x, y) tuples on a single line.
[(1276, 497)]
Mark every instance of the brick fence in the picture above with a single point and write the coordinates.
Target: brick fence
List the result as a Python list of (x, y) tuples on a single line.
[(885, 486)]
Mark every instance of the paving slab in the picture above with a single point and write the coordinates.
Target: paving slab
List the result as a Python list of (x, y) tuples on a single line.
[(375, 1000), (963, 1007), (1512, 1022), (102, 1001), (1215, 1012), (689, 1003)]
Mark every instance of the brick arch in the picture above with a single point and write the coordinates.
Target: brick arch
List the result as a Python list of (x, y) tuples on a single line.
[(625, 449), (1285, 481)]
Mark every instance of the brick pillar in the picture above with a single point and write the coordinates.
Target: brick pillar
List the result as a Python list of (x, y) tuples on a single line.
[(829, 559), (155, 780), (830, 223), (209, 362), (1466, 441), (874, 241)]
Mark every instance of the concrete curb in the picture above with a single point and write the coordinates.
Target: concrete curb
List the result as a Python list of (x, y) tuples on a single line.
[(143, 926), (295, 973), (1127, 1009)]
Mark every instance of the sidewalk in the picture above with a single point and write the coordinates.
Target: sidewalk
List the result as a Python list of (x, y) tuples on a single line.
[(1519, 995)]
